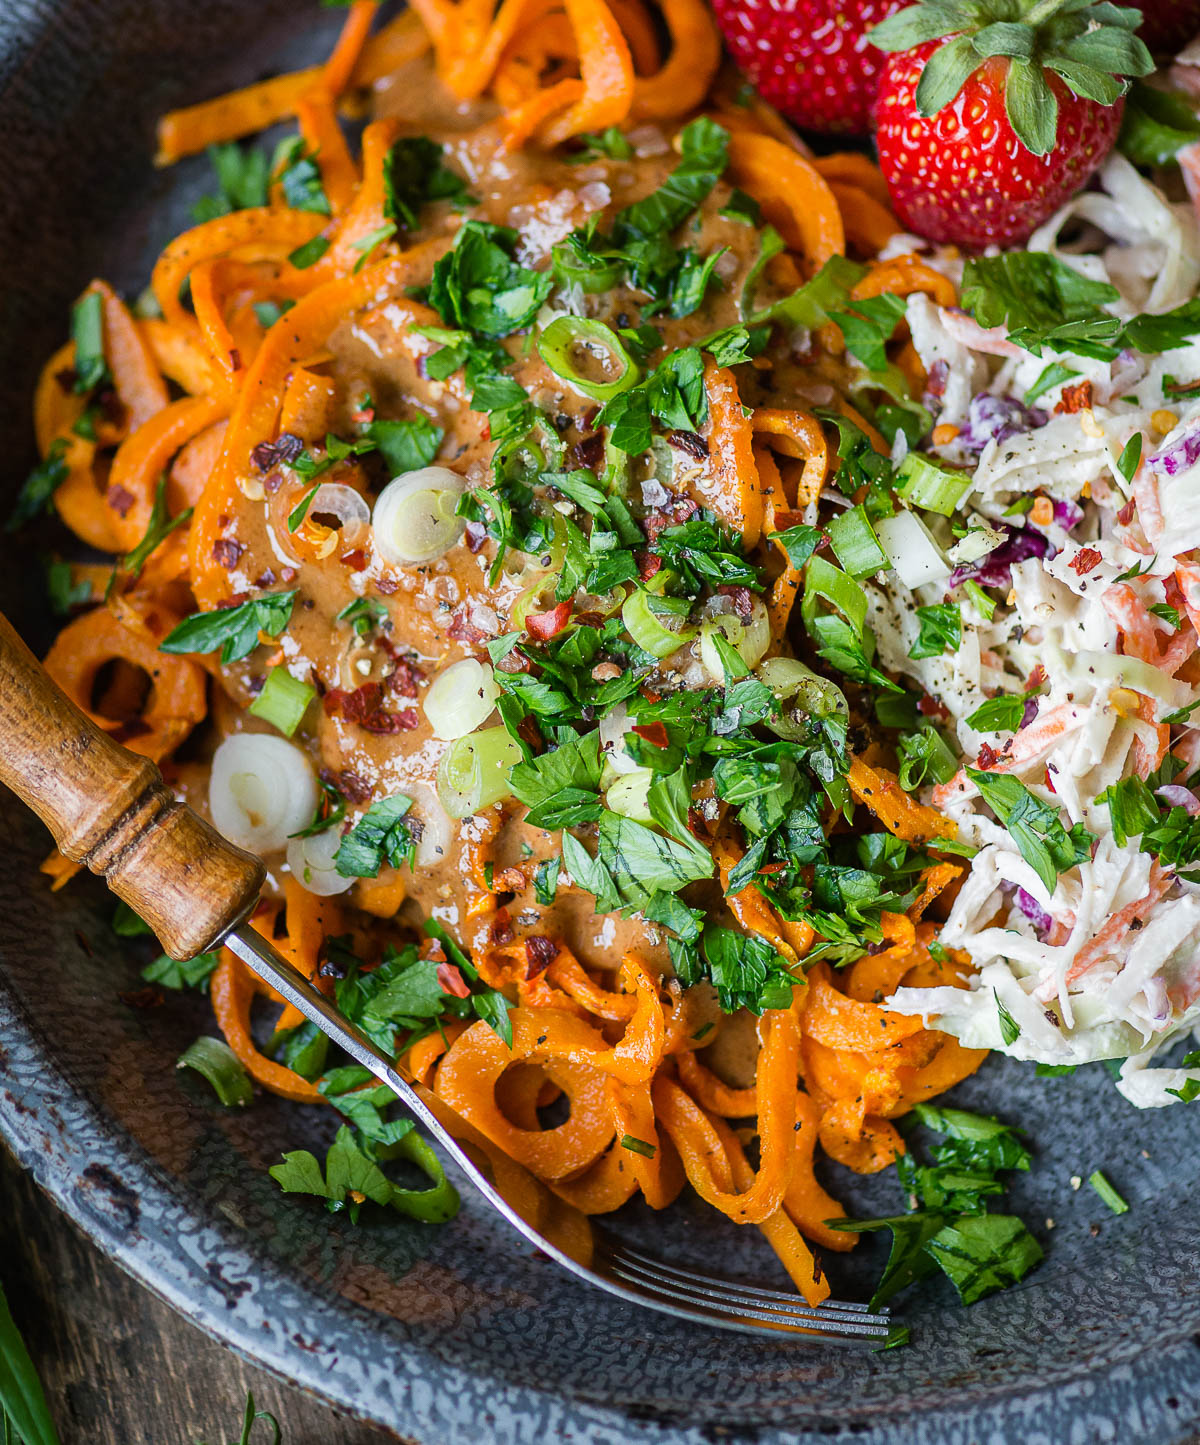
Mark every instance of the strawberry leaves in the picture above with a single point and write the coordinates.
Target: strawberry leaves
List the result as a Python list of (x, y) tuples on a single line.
[(1086, 45)]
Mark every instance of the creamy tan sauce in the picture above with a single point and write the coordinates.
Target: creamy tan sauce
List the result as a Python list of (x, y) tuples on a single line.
[(375, 354)]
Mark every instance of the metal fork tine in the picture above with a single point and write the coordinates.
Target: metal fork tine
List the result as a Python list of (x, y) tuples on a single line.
[(754, 1293), (833, 1328), (749, 1301)]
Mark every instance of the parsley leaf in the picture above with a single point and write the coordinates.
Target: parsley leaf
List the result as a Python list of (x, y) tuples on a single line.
[(296, 172), (414, 174), (158, 529), (233, 629), (940, 630), (998, 714), (406, 446), (242, 179), (37, 490), (480, 287), (1040, 837), (380, 835)]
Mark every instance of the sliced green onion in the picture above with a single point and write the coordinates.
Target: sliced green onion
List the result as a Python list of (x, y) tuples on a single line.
[(822, 580), (923, 483), (537, 597), (283, 701), (801, 694), (1106, 1192), (638, 615), (855, 544), (415, 518), (749, 639), (473, 774), (460, 699), (221, 1067), (591, 273), (577, 349), (87, 331)]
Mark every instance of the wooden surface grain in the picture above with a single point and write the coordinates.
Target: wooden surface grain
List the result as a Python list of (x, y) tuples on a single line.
[(118, 1365)]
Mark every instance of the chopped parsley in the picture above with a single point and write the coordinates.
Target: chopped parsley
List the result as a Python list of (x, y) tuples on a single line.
[(1034, 826), (414, 176), (381, 835), (235, 630), (949, 1226)]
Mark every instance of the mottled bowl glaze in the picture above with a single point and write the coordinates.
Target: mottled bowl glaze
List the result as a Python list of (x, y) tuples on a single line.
[(462, 1334)]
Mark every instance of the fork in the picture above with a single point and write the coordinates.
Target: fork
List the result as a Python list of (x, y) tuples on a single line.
[(110, 810)]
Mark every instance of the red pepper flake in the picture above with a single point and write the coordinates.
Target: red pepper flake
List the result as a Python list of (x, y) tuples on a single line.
[(772, 867), (1085, 560), (933, 707), (987, 757), (540, 953), (939, 375), (364, 707), (1125, 515), (476, 535), (265, 579), (267, 455), (226, 552), (698, 824), (451, 981), (509, 880), (364, 416), (356, 559), (690, 442), (1049, 781), (648, 694), (353, 788), (743, 602), (1036, 678), (501, 929), (647, 564), (672, 515), (272, 483), (287, 574), (406, 675), (1075, 398), (544, 625), (655, 733), (387, 586), (587, 452), (120, 500)]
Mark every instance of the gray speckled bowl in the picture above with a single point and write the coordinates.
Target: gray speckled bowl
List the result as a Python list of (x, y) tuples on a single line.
[(462, 1334)]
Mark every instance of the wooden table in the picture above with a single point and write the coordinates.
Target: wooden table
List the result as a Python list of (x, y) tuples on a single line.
[(120, 1367)]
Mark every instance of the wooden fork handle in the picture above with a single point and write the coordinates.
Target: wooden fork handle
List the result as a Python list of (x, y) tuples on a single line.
[(110, 810)]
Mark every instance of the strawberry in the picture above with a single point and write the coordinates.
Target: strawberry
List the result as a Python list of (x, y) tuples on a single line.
[(986, 124), (811, 58), (1168, 25)]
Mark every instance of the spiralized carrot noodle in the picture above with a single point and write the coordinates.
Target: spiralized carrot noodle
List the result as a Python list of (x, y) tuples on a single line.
[(317, 349)]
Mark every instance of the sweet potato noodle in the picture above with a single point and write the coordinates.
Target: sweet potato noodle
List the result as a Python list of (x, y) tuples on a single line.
[(277, 335)]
